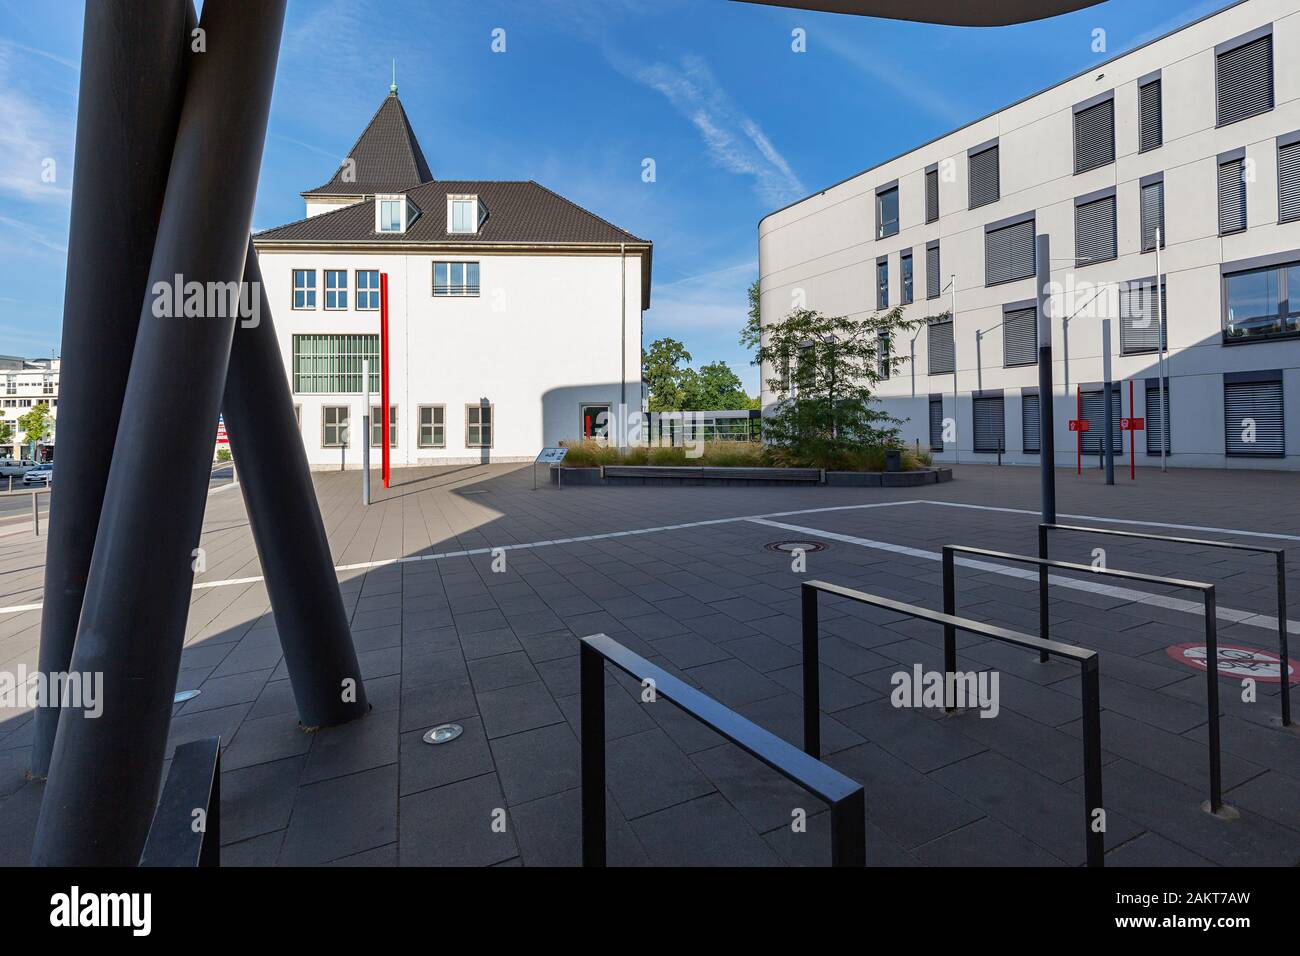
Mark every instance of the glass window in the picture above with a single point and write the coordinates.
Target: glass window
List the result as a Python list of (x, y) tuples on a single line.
[(464, 214), (333, 363), (376, 427), (882, 285), (1259, 303), (906, 263), (433, 432), (887, 213), (478, 426), (390, 215), (455, 278), (334, 426), (336, 288), (368, 289), (304, 288)]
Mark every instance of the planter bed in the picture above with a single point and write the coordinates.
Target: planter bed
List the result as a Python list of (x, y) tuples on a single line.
[(659, 475)]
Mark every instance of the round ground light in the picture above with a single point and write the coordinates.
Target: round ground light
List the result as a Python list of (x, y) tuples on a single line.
[(443, 733), (789, 547)]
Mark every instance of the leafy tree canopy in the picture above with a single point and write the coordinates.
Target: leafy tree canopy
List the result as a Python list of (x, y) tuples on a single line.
[(36, 423)]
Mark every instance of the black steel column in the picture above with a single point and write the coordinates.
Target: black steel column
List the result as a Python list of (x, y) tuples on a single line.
[(133, 61), (287, 527), (949, 630), (1046, 417), (591, 708), (1044, 594), (1094, 839), (105, 772), (812, 706)]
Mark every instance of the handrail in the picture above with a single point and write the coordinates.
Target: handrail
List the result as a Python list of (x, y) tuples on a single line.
[(1206, 591), (186, 827), (845, 796), (1279, 555), (1094, 837)]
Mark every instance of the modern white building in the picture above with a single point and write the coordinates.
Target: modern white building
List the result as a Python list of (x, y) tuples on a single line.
[(28, 383), (1197, 135), (514, 314)]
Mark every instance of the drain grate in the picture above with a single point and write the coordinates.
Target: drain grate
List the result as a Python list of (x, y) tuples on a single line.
[(789, 547)]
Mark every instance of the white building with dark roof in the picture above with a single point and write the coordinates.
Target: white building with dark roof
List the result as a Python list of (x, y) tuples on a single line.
[(514, 314)]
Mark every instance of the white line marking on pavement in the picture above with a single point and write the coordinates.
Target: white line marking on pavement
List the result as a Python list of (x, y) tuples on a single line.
[(1110, 590)]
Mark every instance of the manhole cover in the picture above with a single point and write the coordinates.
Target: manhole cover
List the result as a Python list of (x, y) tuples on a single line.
[(443, 733), (790, 547)]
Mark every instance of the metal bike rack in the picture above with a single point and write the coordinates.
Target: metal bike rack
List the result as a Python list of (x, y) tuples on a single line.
[(1211, 627), (193, 784), (1094, 840), (1279, 555), (845, 796)]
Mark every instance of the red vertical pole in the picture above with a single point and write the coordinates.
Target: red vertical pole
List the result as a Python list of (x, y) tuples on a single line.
[(1078, 441), (1132, 435), (383, 374)]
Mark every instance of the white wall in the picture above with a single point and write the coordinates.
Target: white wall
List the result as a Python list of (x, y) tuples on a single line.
[(542, 337)]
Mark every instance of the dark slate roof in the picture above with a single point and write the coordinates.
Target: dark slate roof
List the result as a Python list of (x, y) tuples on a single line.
[(523, 212), (387, 157)]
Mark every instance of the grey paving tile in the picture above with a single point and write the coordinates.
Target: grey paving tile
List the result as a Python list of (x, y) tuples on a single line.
[(258, 800), (515, 709), (460, 824), (342, 816), (362, 744), (549, 832), (646, 772), (425, 766), (703, 832), (537, 763)]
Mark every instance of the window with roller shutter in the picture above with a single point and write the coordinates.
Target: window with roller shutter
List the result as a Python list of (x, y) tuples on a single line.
[(1155, 418), (931, 195), (939, 347), (1094, 229), (1288, 177), (1152, 214), (1094, 136), (1151, 132), (1094, 410), (1020, 336), (988, 413), (1139, 317), (933, 285), (983, 187), (905, 272), (1253, 419), (1232, 195), (936, 423), (1243, 78), (1029, 423), (1009, 252)]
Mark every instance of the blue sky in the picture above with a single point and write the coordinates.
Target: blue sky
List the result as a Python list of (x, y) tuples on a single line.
[(737, 123)]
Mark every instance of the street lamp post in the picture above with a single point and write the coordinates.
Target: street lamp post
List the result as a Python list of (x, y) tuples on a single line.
[(1160, 368)]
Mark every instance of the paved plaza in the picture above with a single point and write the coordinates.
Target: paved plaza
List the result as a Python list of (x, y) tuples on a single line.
[(683, 577)]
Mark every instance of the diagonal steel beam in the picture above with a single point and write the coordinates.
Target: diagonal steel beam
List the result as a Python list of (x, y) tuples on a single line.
[(133, 65), (105, 771)]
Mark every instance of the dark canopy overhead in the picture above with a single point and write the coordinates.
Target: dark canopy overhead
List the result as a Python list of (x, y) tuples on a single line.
[(962, 13)]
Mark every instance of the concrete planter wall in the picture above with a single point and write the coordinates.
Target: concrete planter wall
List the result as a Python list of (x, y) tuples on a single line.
[(662, 476)]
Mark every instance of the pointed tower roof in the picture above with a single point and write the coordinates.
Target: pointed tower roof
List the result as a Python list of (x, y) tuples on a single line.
[(386, 157)]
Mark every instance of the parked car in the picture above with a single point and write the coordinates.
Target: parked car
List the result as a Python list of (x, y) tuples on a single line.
[(39, 475), (15, 468)]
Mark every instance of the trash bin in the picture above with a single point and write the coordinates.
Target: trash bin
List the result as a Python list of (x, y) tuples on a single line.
[(893, 459)]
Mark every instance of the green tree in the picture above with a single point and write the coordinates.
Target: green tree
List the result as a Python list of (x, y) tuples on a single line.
[(751, 336), (662, 370), (36, 423), (713, 388), (6, 433), (826, 412)]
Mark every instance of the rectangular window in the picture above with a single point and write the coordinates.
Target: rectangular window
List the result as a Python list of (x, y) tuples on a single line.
[(1152, 214), (931, 195), (433, 426), (1155, 418), (1253, 420), (332, 363), (989, 434), (983, 169), (1094, 410), (478, 426), (1029, 423), (1094, 231), (455, 278), (933, 285), (304, 288), (390, 215), (376, 427), (1288, 181), (1243, 77), (463, 213), (334, 426), (882, 283), (1232, 195), (887, 212), (939, 347), (1020, 336), (1138, 318), (336, 288), (1009, 253), (1257, 303), (368, 290), (1094, 136), (1151, 133), (936, 423), (882, 354), (905, 267)]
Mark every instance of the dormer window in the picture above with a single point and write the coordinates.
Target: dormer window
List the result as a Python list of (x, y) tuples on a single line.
[(464, 214), (394, 214)]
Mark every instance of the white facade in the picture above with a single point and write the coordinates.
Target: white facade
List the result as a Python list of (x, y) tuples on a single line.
[(24, 384), (542, 338), (822, 252)]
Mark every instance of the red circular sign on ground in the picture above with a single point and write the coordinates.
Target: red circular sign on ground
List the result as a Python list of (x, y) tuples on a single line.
[(1237, 661)]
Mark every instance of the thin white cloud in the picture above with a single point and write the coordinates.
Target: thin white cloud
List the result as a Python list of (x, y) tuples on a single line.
[(31, 235), (733, 140), (30, 136), (715, 300), (905, 82)]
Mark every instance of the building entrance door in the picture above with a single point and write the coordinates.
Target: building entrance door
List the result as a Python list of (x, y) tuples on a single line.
[(594, 421)]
